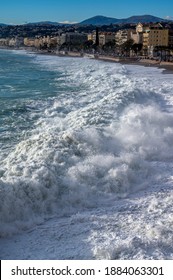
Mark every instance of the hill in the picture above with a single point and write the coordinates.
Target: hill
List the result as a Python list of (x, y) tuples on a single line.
[(99, 20), (47, 23), (142, 19), (102, 20)]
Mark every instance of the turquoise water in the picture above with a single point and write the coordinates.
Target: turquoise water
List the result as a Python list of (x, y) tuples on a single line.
[(24, 90)]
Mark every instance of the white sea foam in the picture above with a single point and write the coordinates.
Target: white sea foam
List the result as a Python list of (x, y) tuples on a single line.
[(105, 142)]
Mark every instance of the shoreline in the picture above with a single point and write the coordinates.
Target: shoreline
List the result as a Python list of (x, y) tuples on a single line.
[(166, 66)]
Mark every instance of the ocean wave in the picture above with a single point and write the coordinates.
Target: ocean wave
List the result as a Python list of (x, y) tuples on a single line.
[(106, 136), (60, 172)]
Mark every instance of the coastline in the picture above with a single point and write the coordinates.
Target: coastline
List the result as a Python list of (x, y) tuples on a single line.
[(166, 66)]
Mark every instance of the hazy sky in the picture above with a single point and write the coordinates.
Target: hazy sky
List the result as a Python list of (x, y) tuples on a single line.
[(21, 11)]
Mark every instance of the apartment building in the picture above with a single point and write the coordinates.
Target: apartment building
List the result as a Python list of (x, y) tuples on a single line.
[(4, 42), (104, 37), (12, 42), (29, 42), (154, 37), (122, 36), (136, 37), (141, 27), (73, 38), (158, 37), (16, 42), (39, 42)]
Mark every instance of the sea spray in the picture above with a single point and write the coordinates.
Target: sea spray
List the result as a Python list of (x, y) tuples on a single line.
[(92, 133)]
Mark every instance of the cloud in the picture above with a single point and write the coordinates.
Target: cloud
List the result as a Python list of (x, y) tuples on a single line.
[(68, 22), (169, 17)]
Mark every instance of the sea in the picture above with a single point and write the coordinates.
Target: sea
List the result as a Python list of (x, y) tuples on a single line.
[(86, 159)]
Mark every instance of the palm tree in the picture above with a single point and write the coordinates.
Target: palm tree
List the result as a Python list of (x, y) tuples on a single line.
[(137, 48), (109, 46), (126, 47)]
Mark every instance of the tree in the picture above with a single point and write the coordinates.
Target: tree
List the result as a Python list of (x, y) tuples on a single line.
[(88, 44), (126, 47), (109, 46), (97, 37), (137, 48)]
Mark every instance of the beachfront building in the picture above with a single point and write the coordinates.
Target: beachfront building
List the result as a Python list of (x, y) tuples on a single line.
[(92, 37), (41, 42), (141, 27), (73, 38), (158, 36), (122, 36), (152, 35), (145, 43), (29, 42), (11, 42), (136, 37), (155, 37), (104, 37), (52, 42), (16, 42), (4, 42)]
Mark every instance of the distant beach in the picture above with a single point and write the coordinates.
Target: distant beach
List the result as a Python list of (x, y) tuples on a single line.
[(167, 66)]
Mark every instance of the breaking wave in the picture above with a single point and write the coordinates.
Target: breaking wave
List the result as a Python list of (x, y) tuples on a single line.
[(104, 134)]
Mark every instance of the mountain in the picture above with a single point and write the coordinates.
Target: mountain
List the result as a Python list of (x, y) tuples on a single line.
[(142, 19), (47, 23), (99, 20), (102, 20)]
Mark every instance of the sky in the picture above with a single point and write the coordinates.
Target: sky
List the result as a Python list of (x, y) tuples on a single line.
[(24, 11)]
